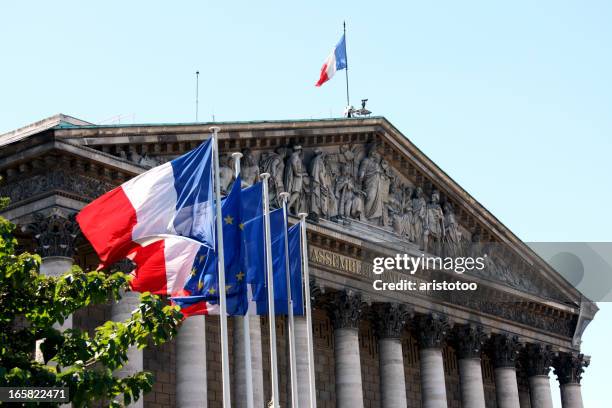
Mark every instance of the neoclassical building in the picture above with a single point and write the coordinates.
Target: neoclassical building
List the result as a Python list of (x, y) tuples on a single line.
[(369, 192)]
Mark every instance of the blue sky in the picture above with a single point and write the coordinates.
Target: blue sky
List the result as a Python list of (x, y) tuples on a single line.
[(512, 100)]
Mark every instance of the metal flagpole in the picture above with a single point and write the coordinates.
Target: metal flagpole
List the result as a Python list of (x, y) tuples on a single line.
[(306, 278), (227, 403), (270, 275), (348, 103), (245, 320), (284, 196)]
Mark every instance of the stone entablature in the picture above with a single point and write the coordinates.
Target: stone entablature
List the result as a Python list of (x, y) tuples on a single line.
[(352, 176)]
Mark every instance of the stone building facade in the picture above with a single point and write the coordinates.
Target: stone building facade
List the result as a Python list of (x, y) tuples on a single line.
[(369, 192)]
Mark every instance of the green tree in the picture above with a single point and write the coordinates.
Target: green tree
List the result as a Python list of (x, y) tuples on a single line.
[(31, 303)]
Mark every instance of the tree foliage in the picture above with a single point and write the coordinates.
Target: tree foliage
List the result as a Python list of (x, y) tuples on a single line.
[(30, 305)]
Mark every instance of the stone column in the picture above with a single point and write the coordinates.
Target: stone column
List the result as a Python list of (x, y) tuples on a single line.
[(191, 385), (54, 237), (345, 311), (120, 312), (569, 368), (537, 361), (240, 388), (301, 355), (431, 331), (469, 340), (505, 352), (390, 319)]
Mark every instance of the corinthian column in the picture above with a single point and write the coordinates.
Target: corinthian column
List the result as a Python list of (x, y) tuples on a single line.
[(54, 238), (469, 340), (569, 368), (537, 361), (345, 311), (120, 312), (431, 331), (390, 321), (505, 352)]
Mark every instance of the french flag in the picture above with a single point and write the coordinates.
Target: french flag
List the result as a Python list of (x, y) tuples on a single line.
[(175, 198), (163, 267), (335, 62)]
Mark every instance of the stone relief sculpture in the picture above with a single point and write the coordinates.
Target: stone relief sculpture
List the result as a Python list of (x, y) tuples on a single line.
[(350, 198), (296, 181), (322, 198), (226, 173), (274, 164), (249, 171), (452, 234), (372, 179), (419, 212), (433, 231)]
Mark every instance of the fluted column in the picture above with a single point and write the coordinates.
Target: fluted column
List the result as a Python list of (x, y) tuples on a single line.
[(537, 361), (469, 340), (431, 331), (191, 389), (240, 373), (569, 368), (505, 352), (345, 311), (390, 319), (122, 311), (301, 356)]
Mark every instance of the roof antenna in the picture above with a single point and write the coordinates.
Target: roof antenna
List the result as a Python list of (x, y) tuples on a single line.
[(197, 92)]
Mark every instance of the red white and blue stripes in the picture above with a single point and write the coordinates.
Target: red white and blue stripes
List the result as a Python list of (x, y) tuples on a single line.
[(335, 62)]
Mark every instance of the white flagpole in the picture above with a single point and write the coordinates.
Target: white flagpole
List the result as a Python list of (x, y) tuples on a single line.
[(245, 320), (227, 403), (284, 196), (270, 275), (306, 278)]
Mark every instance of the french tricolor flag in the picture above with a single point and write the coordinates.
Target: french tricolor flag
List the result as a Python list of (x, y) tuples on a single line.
[(175, 198), (335, 62)]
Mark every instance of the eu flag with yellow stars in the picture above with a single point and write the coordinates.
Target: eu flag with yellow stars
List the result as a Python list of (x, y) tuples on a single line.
[(204, 284)]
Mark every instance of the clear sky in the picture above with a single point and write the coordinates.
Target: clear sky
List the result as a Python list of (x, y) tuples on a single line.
[(511, 99)]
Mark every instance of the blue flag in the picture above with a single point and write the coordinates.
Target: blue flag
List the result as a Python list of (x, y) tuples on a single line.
[(204, 283), (280, 275)]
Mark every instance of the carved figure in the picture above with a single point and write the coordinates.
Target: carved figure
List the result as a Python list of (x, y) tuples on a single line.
[(296, 179), (371, 177), (321, 201), (433, 233), (274, 163), (226, 173), (350, 199), (452, 233), (419, 211), (249, 171)]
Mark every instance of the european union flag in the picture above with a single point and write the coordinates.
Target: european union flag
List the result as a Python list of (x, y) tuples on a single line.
[(204, 284), (280, 275)]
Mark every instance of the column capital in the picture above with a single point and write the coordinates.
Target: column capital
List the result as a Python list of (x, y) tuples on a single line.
[(537, 359), (569, 367), (469, 340), (54, 234), (431, 330), (505, 350), (390, 319), (345, 308)]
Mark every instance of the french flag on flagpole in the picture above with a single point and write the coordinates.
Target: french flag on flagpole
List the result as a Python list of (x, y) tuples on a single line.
[(175, 198), (335, 62)]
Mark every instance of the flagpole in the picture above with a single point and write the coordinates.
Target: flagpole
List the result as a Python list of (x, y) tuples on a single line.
[(246, 329), (270, 283), (306, 279), (284, 196), (227, 403), (348, 103)]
